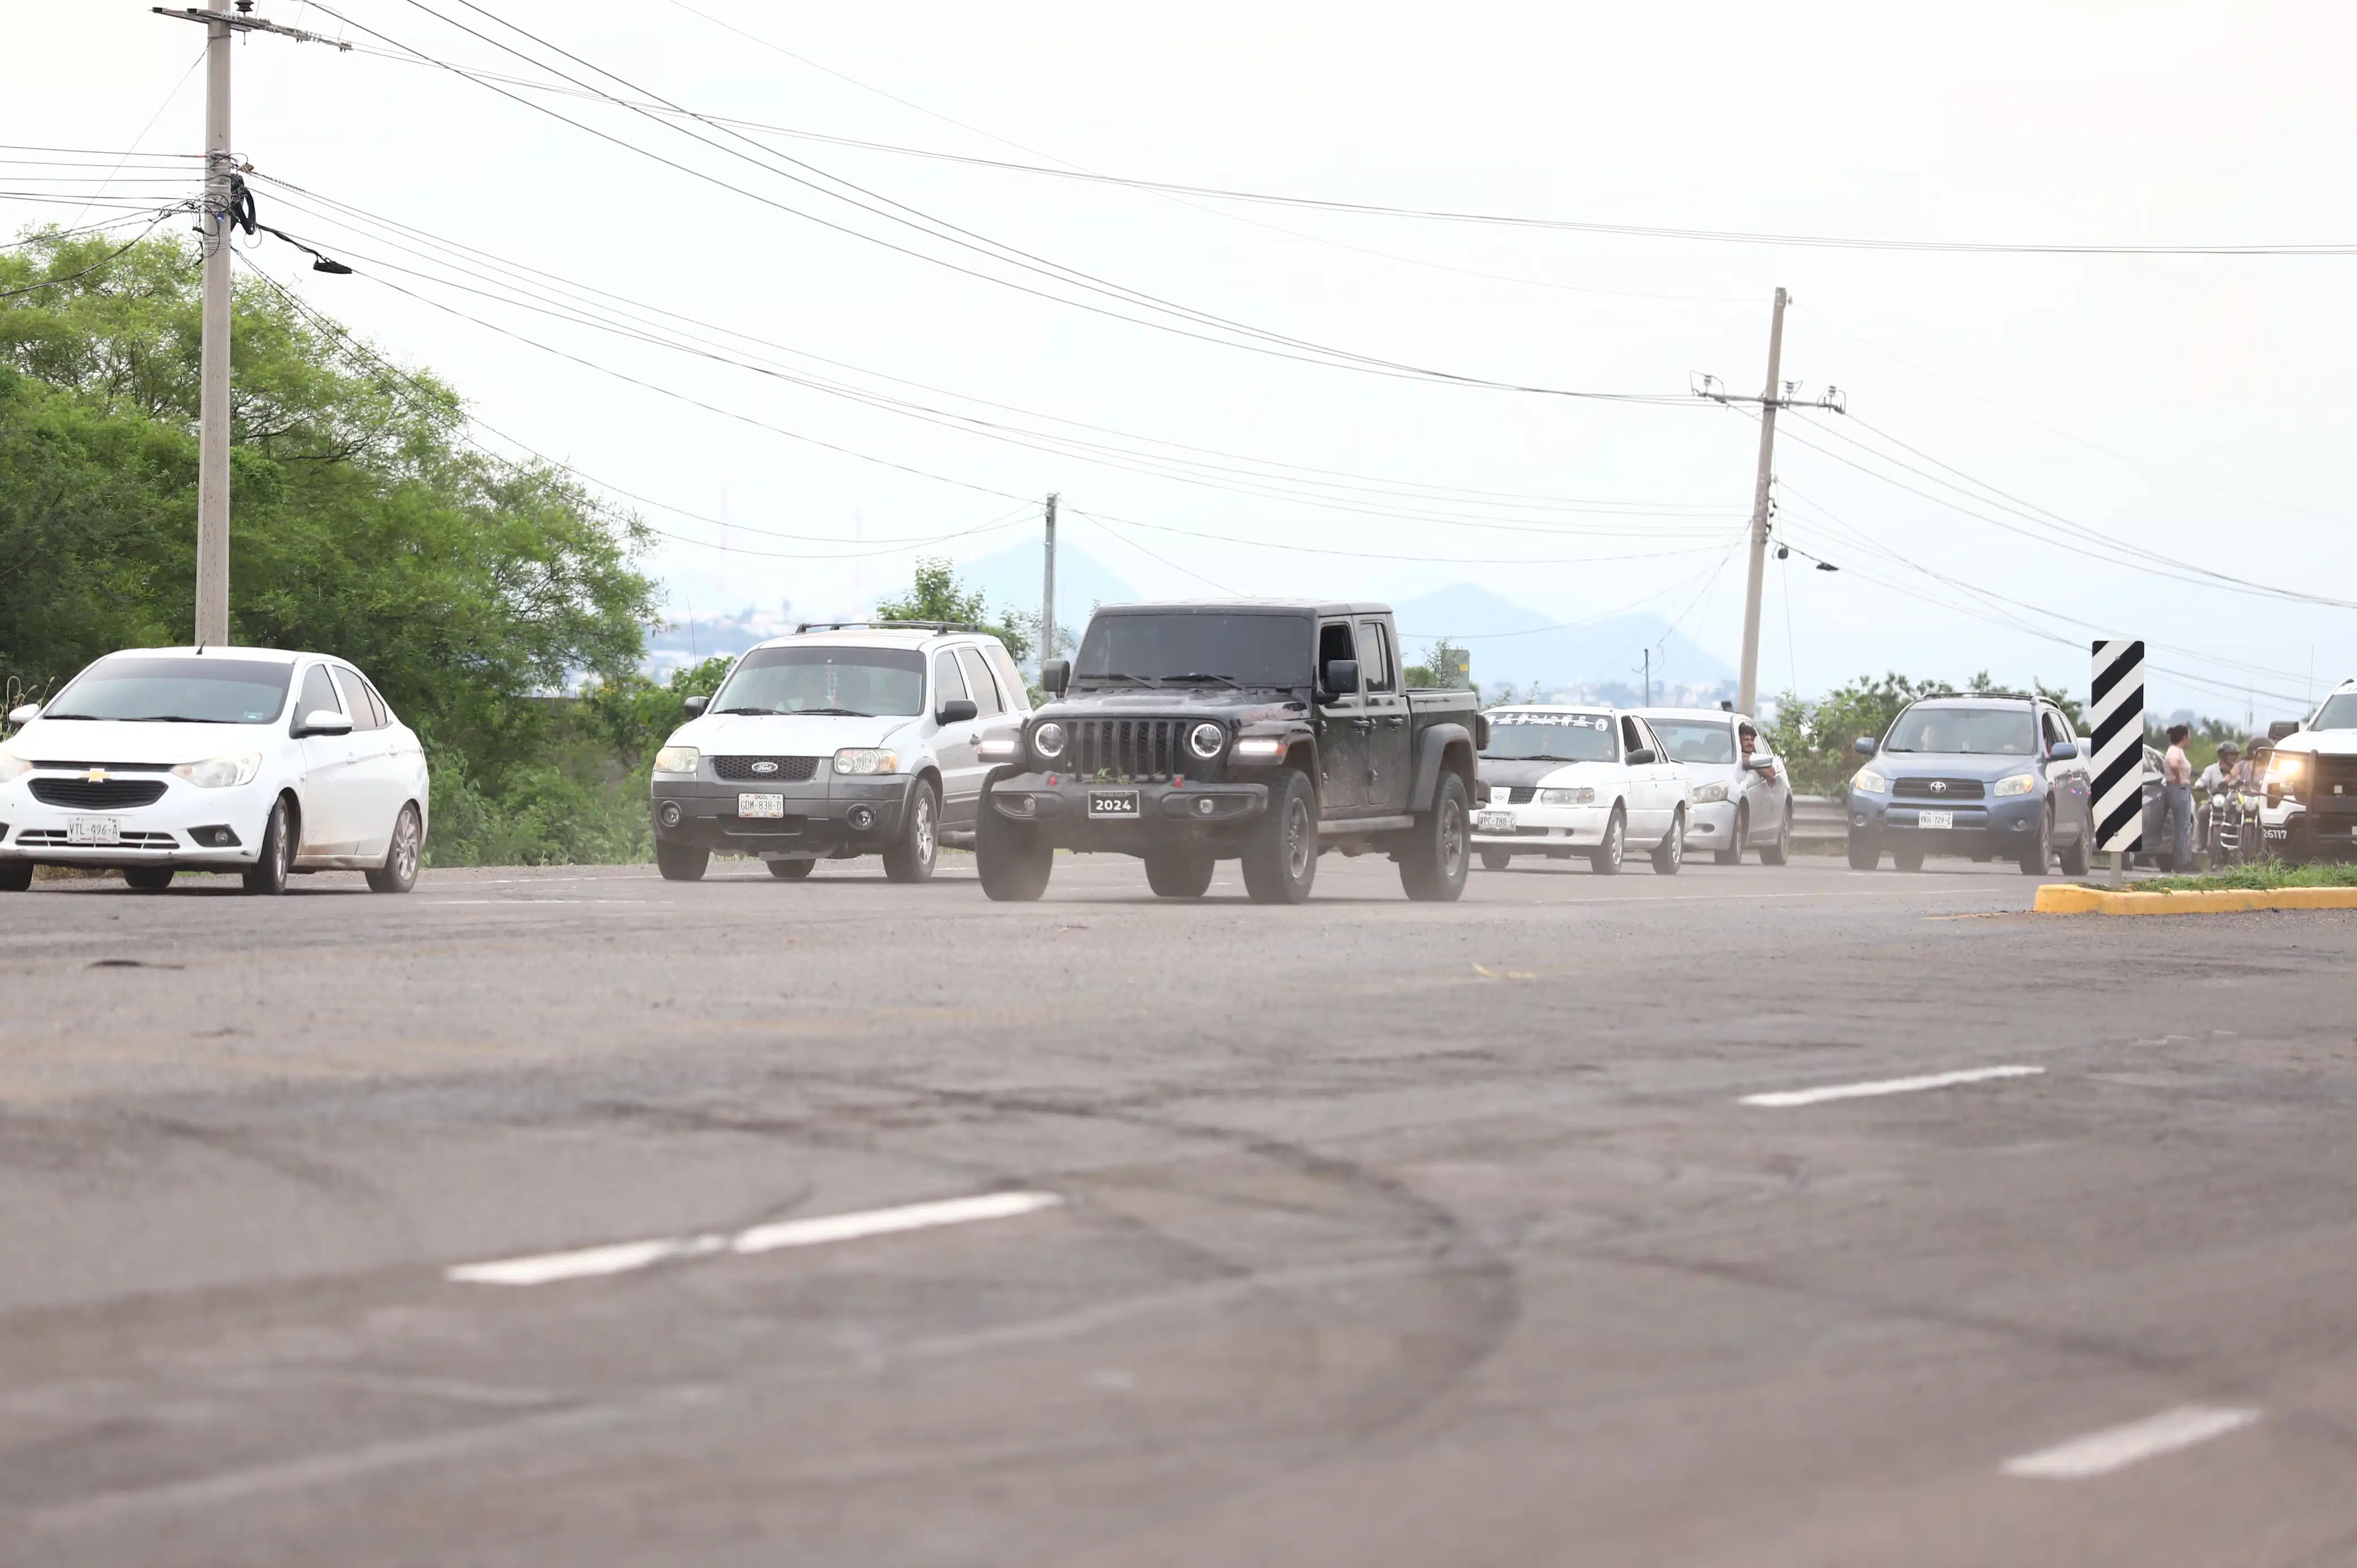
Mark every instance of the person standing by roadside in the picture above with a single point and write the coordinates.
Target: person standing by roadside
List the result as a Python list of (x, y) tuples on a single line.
[(2177, 798)]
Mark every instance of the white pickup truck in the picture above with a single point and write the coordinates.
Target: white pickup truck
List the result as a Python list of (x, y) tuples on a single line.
[(1561, 780)]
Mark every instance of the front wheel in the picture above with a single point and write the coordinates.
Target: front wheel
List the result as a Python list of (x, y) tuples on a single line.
[(148, 878), (789, 870), (1606, 857), (1011, 861), (1671, 853), (267, 875), (1865, 855), (1780, 850), (2034, 857), (910, 858), (1433, 866), (1732, 853), (1497, 859), (1280, 858), (681, 862), (399, 872), (16, 876), (2077, 857), (1907, 859), (1181, 874)]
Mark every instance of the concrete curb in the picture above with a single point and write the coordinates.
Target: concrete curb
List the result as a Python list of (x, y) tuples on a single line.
[(2070, 898)]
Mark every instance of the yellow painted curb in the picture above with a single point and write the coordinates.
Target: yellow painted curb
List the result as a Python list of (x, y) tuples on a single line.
[(2071, 898)]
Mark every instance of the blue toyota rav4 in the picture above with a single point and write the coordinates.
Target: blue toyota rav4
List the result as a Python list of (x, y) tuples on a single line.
[(1993, 775)]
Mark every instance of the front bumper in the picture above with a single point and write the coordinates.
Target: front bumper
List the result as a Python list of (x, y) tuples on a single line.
[(2295, 829), (1535, 827), (184, 828), (1710, 824), (829, 815), (1991, 827), (1070, 814)]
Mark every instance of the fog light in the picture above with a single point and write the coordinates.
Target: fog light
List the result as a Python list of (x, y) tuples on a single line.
[(671, 815), (1205, 806), (216, 836), (862, 818), (1023, 805)]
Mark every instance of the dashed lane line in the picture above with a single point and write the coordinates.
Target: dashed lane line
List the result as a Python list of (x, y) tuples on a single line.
[(627, 1257), (1786, 1099), (2117, 1447)]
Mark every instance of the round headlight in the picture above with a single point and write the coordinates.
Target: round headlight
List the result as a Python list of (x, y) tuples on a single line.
[(1206, 739), (1047, 740)]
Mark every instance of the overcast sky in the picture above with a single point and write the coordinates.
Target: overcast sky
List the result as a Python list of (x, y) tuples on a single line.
[(2194, 406)]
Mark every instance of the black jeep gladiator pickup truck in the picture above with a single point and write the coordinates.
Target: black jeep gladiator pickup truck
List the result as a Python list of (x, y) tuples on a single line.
[(1266, 732)]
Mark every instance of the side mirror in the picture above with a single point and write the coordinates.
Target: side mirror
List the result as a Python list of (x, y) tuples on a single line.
[(1761, 762), (1339, 679), (2276, 731), (956, 711), (1864, 746), (1055, 674), (1642, 756), (24, 714), (695, 705), (2063, 751), (323, 721)]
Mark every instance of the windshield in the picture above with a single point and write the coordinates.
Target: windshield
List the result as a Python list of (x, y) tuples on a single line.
[(1991, 732), (2338, 712), (869, 682), (1248, 650), (190, 687), (1696, 740), (1551, 737)]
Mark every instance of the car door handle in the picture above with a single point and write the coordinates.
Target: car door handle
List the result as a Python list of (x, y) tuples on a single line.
[(1363, 725)]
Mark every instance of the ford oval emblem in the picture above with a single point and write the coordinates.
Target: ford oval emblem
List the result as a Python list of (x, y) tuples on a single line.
[(764, 767)]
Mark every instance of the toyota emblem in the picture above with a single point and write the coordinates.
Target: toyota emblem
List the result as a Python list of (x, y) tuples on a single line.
[(1938, 786), (765, 766)]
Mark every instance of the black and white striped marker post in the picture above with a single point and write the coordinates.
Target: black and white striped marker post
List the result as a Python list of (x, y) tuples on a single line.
[(2115, 728)]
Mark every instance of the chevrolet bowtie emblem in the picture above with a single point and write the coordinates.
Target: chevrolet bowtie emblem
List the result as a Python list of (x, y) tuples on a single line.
[(96, 776)]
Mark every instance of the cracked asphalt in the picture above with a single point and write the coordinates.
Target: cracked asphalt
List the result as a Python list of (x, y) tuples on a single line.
[(1387, 1232)]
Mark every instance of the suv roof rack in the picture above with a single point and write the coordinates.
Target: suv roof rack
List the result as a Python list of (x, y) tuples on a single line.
[(886, 625), (2014, 696)]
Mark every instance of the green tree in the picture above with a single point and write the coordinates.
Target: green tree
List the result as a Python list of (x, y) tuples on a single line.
[(363, 522), (1446, 665), (937, 595)]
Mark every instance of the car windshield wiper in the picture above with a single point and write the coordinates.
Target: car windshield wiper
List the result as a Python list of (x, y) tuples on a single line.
[(771, 712), (831, 713), (176, 719), (1120, 675), (1201, 675)]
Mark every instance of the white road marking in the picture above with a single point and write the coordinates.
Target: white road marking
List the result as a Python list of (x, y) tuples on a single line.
[(626, 1257), (1786, 1097), (2117, 1447)]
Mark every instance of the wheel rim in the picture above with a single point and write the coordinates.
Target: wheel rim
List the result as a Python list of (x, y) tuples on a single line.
[(1297, 839), (924, 826), (279, 852), (1612, 841), (1452, 839), (1677, 841), (405, 846)]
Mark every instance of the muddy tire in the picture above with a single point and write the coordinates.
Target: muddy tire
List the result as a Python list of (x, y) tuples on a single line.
[(1280, 858), (1433, 866), (1011, 862), (1182, 874)]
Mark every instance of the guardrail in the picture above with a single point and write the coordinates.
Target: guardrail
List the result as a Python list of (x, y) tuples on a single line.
[(1820, 819)]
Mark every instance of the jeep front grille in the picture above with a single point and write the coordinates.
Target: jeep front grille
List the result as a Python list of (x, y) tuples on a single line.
[(781, 769), (1127, 748)]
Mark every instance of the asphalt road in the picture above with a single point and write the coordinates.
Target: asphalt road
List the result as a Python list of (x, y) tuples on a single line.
[(1362, 1232)]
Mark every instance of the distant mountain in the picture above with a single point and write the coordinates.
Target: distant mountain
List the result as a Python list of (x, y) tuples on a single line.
[(1515, 645)]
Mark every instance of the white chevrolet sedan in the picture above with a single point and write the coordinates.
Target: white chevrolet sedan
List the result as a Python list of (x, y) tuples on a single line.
[(1561, 780), (244, 759)]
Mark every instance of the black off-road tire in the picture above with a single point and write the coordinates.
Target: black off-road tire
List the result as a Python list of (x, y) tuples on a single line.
[(1733, 853), (1671, 853), (1441, 847), (148, 878), (910, 857), (403, 852), (791, 870), (267, 875), (1181, 874), (1608, 856), (1010, 860), (2036, 857), (1280, 858), (1497, 859), (681, 862), (1780, 851), (16, 876)]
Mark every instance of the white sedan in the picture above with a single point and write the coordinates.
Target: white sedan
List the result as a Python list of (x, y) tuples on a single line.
[(1559, 781), (244, 759)]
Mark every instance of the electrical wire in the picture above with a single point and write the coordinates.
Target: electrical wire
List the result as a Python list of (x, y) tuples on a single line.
[(95, 266)]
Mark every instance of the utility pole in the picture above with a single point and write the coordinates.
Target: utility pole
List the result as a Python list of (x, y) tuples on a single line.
[(212, 368), (1649, 677), (1047, 589), (1778, 393)]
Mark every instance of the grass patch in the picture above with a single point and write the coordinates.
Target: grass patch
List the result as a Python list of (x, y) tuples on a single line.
[(2263, 877)]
